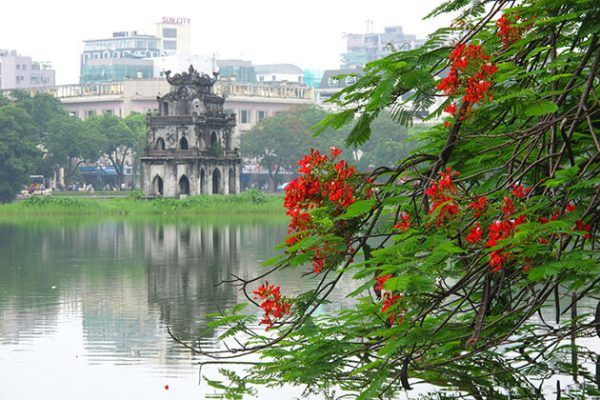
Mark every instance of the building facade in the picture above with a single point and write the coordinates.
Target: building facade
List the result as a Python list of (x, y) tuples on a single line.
[(21, 72), (363, 48), (174, 34), (189, 144), (125, 55)]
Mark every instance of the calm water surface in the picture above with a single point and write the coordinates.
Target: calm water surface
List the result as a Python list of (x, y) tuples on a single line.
[(85, 306)]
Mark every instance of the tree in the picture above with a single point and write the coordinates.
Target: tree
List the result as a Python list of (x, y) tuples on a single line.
[(473, 255), (279, 141), (18, 151), (118, 138), (70, 143)]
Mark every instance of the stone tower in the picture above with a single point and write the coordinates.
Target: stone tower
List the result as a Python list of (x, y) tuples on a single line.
[(189, 144)]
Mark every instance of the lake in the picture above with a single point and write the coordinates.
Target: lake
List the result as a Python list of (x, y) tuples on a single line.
[(85, 305)]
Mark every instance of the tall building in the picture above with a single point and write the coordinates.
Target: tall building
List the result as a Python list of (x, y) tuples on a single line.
[(21, 72), (174, 35), (125, 55), (363, 48), (237, 71)]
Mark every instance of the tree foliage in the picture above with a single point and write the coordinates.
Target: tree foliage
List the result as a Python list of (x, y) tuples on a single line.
[(18, 152), (476, 257)]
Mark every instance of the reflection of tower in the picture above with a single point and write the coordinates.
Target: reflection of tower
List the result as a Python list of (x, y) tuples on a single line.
[(185, 264)]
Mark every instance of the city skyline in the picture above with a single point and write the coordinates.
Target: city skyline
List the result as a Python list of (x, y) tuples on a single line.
[(263, 31)]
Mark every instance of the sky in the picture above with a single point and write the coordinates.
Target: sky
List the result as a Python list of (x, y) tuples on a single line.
[(308, 33)]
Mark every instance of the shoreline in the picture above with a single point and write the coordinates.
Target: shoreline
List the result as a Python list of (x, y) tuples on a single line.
[(251, 202)]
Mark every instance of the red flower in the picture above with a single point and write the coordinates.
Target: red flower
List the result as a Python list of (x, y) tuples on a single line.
[(497, 260), (404, 223), (570, 207), (335, 151), (381, 280), (478, 205), (507, 207), (274, 306), (518, 191), (390, 301), (451, 109), (475, 234), (580, 226)]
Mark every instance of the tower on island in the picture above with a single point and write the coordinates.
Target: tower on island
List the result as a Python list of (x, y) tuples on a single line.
[(189, 143)]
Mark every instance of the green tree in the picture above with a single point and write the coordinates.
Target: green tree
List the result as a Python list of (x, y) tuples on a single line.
[(70, 143), (472, 282), (18, 151), (118, 138), (279, 141)]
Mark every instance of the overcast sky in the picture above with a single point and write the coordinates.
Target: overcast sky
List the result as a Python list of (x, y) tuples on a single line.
[(307, 33)]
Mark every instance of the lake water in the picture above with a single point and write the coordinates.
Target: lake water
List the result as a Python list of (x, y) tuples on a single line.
[(85, 305)]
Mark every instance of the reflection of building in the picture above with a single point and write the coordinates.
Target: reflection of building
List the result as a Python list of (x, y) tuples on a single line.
[(189, 144), (20, 72), (363, 48)]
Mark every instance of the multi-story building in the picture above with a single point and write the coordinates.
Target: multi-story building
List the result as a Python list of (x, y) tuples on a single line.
[(125, 55), (21, 72), (241, 71), (279, 73), (363, 48), (174, 35)]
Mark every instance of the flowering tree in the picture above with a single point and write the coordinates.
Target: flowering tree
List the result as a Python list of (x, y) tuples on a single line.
[(474, 254)]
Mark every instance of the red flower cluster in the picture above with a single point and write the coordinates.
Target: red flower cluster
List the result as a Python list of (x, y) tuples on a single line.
[(381, 280), (274, 306), (470, 74), (508, 31), (389, 301), (442, 194), (324, 183), (479, 205), (404, 223)]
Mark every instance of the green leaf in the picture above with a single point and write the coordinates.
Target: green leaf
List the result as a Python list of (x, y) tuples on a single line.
[(358, 208), (540, 108)]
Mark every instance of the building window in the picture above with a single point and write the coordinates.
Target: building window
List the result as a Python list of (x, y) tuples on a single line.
[(261, 78), (18, 66), (90, 113), (244, 117), (274, 78), (169, 33), (107, 112), (73, 113), (350, 80), (261, 115), (332, 82), (169, 45), (24, 67)]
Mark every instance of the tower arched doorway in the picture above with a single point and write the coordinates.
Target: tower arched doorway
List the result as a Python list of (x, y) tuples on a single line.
[(202, 181), (157, 186), (184, 185), (160, 144), (216, 181)]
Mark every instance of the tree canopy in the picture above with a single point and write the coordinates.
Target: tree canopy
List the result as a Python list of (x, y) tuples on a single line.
[(475, 257), (19, 137)]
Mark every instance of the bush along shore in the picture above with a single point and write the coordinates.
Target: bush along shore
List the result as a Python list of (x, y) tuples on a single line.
[(249, 202)]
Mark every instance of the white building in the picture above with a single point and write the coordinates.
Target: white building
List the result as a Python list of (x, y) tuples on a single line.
[(174, 34), (21, 72)]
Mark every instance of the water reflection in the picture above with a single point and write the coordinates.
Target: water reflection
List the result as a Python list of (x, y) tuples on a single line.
[(104, 292)]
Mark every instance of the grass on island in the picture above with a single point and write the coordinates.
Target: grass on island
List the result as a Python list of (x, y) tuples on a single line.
[(250, 202)]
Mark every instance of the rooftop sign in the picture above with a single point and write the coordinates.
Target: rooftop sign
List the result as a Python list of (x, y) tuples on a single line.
[(176, 21)]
